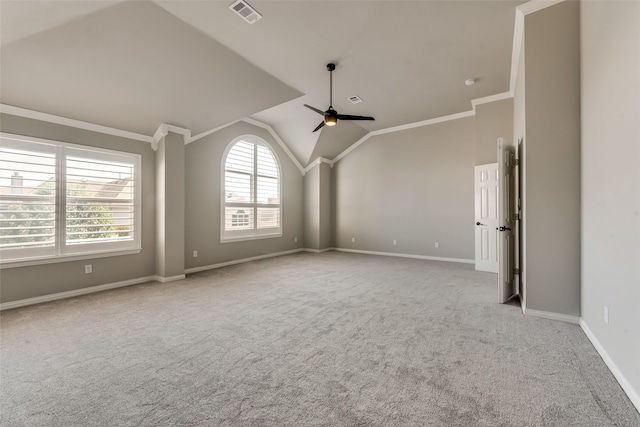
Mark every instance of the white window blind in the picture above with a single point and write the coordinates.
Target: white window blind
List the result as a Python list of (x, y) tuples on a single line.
[(28, 198), (100, 204), (59, 199), (251, 191)]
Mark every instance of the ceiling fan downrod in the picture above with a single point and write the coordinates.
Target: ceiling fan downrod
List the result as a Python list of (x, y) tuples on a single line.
[(331, 66)]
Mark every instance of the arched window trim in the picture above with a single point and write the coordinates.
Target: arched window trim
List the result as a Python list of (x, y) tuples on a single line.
[(227, 236)]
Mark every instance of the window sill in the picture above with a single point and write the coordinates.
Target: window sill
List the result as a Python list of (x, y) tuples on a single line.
[(245, 238), (25, 262)]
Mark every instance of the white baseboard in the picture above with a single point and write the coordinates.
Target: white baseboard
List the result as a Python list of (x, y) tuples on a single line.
[(74, 293), (551, 316), (163, 279), (634, 395), (431, 258), (240, 261), (318, 251)]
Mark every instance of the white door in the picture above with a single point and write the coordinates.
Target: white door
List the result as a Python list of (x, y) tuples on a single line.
[(506, 220), (486, 217)]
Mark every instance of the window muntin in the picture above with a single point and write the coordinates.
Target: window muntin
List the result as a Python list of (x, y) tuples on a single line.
[(59, 199), (251, 205)]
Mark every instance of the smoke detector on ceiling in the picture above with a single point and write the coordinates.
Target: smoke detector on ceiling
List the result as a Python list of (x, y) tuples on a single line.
[(245, 11), (355, 99)]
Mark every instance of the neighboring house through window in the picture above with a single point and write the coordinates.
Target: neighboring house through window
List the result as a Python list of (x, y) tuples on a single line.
[(251, 205), (61, 200)]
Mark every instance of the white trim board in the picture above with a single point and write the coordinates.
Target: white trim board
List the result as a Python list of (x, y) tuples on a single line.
[(551, 316), (399, 255), (401, 128), (634, 395), (74, 293), (489, 99), (278, 139), (319, 251), (163, 279), (240, 261), (317, 162), (259, 124), (209, 132), (78, 124)]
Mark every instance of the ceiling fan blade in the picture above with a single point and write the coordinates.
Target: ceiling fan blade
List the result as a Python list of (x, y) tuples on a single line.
[(314, 109), (319, 126), (348, 117)]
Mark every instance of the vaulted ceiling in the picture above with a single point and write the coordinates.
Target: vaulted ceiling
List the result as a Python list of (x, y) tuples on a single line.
[(133, 65)]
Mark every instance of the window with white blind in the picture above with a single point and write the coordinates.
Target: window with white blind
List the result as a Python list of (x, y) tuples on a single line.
[(251, 197), (60, 200)]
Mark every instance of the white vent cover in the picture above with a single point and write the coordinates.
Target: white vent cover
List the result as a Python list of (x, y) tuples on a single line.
[(355, 99), (245, 11)]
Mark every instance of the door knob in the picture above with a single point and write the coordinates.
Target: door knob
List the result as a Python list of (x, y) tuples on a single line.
[(503, 229), (478, 223)]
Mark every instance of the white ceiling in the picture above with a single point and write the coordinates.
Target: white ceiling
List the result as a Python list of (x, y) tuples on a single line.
[(135, 64)]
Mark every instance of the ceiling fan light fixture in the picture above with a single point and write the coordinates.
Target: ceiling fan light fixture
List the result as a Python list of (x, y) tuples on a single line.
[(331, 116)]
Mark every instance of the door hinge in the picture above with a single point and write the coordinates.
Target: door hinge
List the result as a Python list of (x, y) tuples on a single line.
[(516, 162), (517, 217), (516, 271)]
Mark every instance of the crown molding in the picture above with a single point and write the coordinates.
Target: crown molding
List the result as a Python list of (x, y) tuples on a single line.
[(489, 99), (50, 118), (209, 132), (259, 124), (401, 128), (278, 139), (536, 5), (317, 162), (164, 129)]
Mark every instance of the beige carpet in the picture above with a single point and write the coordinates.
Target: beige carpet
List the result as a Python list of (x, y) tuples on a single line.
[(329, 339)]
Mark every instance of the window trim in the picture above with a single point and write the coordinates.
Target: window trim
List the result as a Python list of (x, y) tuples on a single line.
[(59, 251), (228, 236)]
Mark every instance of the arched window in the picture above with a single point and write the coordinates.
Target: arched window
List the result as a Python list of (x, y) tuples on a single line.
[(251, 196)]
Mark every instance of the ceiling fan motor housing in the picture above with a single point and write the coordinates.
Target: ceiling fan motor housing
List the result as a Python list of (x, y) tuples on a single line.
[(331, 117)]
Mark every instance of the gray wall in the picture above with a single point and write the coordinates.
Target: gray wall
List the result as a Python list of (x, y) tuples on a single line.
[(325, 207), (170, 189), (493, 120), (552, 160), (202, 201), (415, 186), (318, 207), (610, 33), (34, 281), (312, 209)]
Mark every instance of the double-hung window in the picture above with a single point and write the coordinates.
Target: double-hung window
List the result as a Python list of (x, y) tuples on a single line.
[(60, 200), (251, 202)]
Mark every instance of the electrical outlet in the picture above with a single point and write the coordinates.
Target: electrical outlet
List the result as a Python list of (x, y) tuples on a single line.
[(195, 254), (394, 243), (437, 245), (606, 314), (353, 240), (88, 269)]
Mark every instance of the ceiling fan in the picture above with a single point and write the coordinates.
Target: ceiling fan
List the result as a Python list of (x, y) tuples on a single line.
[(331, 116)]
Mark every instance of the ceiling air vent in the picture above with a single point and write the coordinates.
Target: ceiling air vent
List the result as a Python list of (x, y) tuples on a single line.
[(355, 99), (245, 11)]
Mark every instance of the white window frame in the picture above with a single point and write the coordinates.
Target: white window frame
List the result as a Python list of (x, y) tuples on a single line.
[(60, 251), (227, 236)]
